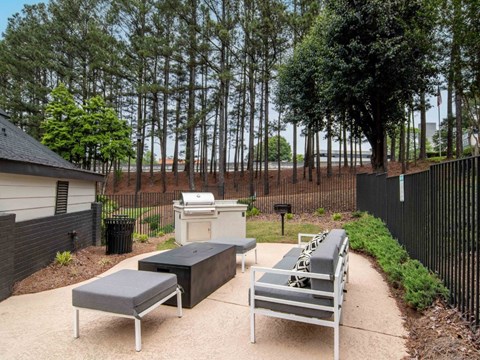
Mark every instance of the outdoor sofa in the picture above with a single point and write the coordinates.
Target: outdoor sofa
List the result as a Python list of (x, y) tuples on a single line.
[(319, 301)]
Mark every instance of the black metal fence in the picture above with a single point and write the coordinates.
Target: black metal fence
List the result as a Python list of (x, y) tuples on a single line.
[(335, 193), (438, 223), (154, 211)]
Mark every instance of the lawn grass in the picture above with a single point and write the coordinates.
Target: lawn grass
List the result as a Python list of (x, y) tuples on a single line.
[(167, 245), (133, 212), (271, 232)]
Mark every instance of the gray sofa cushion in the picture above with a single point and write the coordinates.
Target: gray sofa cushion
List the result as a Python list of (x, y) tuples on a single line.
[(324, 260), (127, 292), (287, 263), (294, 252)]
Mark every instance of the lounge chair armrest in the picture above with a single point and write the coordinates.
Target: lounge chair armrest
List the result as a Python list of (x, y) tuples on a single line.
[(302, 235), (256, 283)]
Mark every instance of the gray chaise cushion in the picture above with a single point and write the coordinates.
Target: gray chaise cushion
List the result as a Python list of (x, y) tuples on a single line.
[(324, 260), (127, 292), (242, 245)]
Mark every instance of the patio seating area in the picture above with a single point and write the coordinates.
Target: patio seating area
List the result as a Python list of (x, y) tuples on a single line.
[(40, 325)]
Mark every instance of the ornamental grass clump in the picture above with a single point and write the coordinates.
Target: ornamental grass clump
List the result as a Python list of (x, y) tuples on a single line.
[(63, 258), (371, 236)]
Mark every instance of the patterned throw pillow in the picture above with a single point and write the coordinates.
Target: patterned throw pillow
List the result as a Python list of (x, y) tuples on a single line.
[(313, 244), (302, 264)]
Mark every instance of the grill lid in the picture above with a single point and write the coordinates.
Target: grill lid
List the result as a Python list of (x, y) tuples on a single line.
[(197, 199)]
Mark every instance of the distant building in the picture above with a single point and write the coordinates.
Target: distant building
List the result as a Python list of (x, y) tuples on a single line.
[(431, 128)]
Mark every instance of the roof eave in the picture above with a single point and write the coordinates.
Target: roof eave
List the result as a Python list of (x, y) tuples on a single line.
[(25, 168)]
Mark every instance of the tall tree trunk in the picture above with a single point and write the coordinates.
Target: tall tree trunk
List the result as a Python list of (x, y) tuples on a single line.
[(340, 141), (155, 120), (294, 178), (450, 112), (278, 148), (213, 162), (138, 179), (408, 144), (401, 153), (250, 55), (457, 74), (259, 155), (377, 141), (351, 144), (344, 136), (164, 133), (190, 153), (176, 146), (266, 185), (204, 138), (310, 151), (423, 127), (317, 155), (459, 120), (393, 145), (329, 146), (243, 115), (411, 115)]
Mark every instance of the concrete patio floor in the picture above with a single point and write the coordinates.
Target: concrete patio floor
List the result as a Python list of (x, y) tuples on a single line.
[(40, 326)]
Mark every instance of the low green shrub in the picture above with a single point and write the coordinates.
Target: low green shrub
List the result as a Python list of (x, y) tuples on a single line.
[(337, 217), (289, 216), (63, 258), (141, 238), (371, 236), (167, 229), (247, 201), (160, 233), (153, 221), (320, 212), (108, 206), (253, 212), (421, 288), (357, 214)]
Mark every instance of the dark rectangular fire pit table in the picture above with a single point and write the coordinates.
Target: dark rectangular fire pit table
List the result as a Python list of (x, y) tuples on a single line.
[(201, 269)]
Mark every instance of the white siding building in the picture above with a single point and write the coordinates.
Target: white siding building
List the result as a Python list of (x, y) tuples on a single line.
[(35, 182)]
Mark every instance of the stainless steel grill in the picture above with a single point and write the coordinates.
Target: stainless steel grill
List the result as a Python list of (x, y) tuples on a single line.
[(198, 203), (197, 199), (199, 217)]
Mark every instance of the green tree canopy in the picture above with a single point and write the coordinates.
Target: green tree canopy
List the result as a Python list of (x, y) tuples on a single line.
[(377, 55), (364, 59), (85, 134), (274, 151)]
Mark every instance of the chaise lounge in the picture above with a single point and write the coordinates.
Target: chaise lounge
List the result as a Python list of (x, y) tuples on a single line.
[(126, 293)]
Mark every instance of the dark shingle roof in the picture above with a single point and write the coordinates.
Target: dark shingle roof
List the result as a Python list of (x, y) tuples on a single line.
[(17, 146)]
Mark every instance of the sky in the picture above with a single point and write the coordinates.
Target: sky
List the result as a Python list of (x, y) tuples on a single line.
[(9, 7)]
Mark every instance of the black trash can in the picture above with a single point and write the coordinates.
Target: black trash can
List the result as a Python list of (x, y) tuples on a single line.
[(119, 234)]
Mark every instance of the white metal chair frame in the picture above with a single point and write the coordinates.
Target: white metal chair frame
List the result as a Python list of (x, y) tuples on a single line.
[(340, 278), (244, 257), (138, 333)]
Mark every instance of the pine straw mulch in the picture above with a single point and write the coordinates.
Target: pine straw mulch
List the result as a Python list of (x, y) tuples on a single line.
[(437, 333)]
